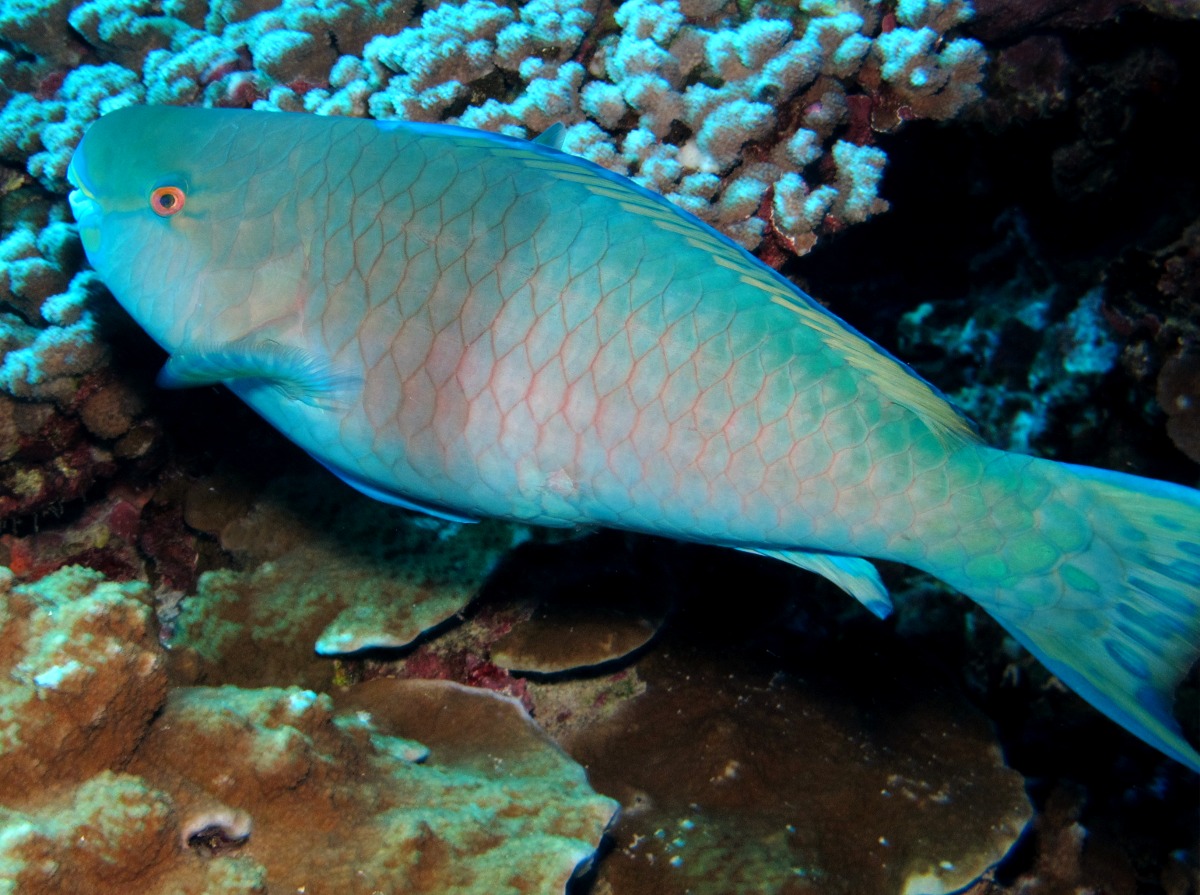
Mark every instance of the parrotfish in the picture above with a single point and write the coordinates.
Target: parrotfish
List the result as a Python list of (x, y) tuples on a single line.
[(475, 325)]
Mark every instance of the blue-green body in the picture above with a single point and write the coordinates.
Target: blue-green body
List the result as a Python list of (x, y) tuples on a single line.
[(479, 326)]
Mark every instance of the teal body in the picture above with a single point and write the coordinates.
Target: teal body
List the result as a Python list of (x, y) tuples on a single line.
[(479, 326)]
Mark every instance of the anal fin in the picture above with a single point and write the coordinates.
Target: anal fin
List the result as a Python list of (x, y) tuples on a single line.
[(852, 574)]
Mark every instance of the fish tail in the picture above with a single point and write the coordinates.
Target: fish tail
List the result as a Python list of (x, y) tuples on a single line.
[(1097, 573)]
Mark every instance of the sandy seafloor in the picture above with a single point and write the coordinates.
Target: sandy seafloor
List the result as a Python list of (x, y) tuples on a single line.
[(1039, 262)]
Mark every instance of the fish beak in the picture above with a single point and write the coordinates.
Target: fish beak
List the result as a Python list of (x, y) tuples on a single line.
[(84, 207), (81, 197)]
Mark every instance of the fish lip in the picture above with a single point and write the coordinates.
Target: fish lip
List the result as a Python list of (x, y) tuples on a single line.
[(74, 178), (77, 180), (83, 207), (86, 209), (81, 199)]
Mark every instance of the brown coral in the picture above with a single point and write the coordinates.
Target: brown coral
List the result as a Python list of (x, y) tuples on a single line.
[(230, 790), (1179, 396), (83, 675)]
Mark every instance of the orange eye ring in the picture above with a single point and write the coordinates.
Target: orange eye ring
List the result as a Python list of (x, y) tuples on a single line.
[(167, 200)]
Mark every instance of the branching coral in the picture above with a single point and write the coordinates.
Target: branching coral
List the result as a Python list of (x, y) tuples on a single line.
[(762, 104), (64, 415), (736, 112)]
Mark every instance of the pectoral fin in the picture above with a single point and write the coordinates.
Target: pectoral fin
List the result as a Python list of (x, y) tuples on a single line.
[(296, 373), (855, 576)]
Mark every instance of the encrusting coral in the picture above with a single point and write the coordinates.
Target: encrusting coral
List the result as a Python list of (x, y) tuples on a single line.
[(106, 766), (680, 713), (343, 575), (83, 675), (922, 804), (111, 784)]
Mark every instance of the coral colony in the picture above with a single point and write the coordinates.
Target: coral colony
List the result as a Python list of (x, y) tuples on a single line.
[(184, 706)]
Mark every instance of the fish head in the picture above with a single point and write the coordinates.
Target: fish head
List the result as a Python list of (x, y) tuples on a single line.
[(183, 213)]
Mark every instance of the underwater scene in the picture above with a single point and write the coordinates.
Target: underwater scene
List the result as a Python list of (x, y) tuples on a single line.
[(423, 468)]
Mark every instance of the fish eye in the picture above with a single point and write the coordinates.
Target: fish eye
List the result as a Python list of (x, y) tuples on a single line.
[(167, 200)]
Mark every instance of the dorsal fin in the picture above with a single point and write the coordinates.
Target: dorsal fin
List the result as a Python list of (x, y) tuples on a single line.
[(551, 136)]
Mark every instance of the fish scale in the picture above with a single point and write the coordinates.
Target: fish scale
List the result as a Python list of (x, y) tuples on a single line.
[(474, 325)]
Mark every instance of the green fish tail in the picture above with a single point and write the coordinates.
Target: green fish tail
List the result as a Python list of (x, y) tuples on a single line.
[(1097, 573)]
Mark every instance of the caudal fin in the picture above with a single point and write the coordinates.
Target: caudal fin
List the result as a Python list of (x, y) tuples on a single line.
[(1098, 574)]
